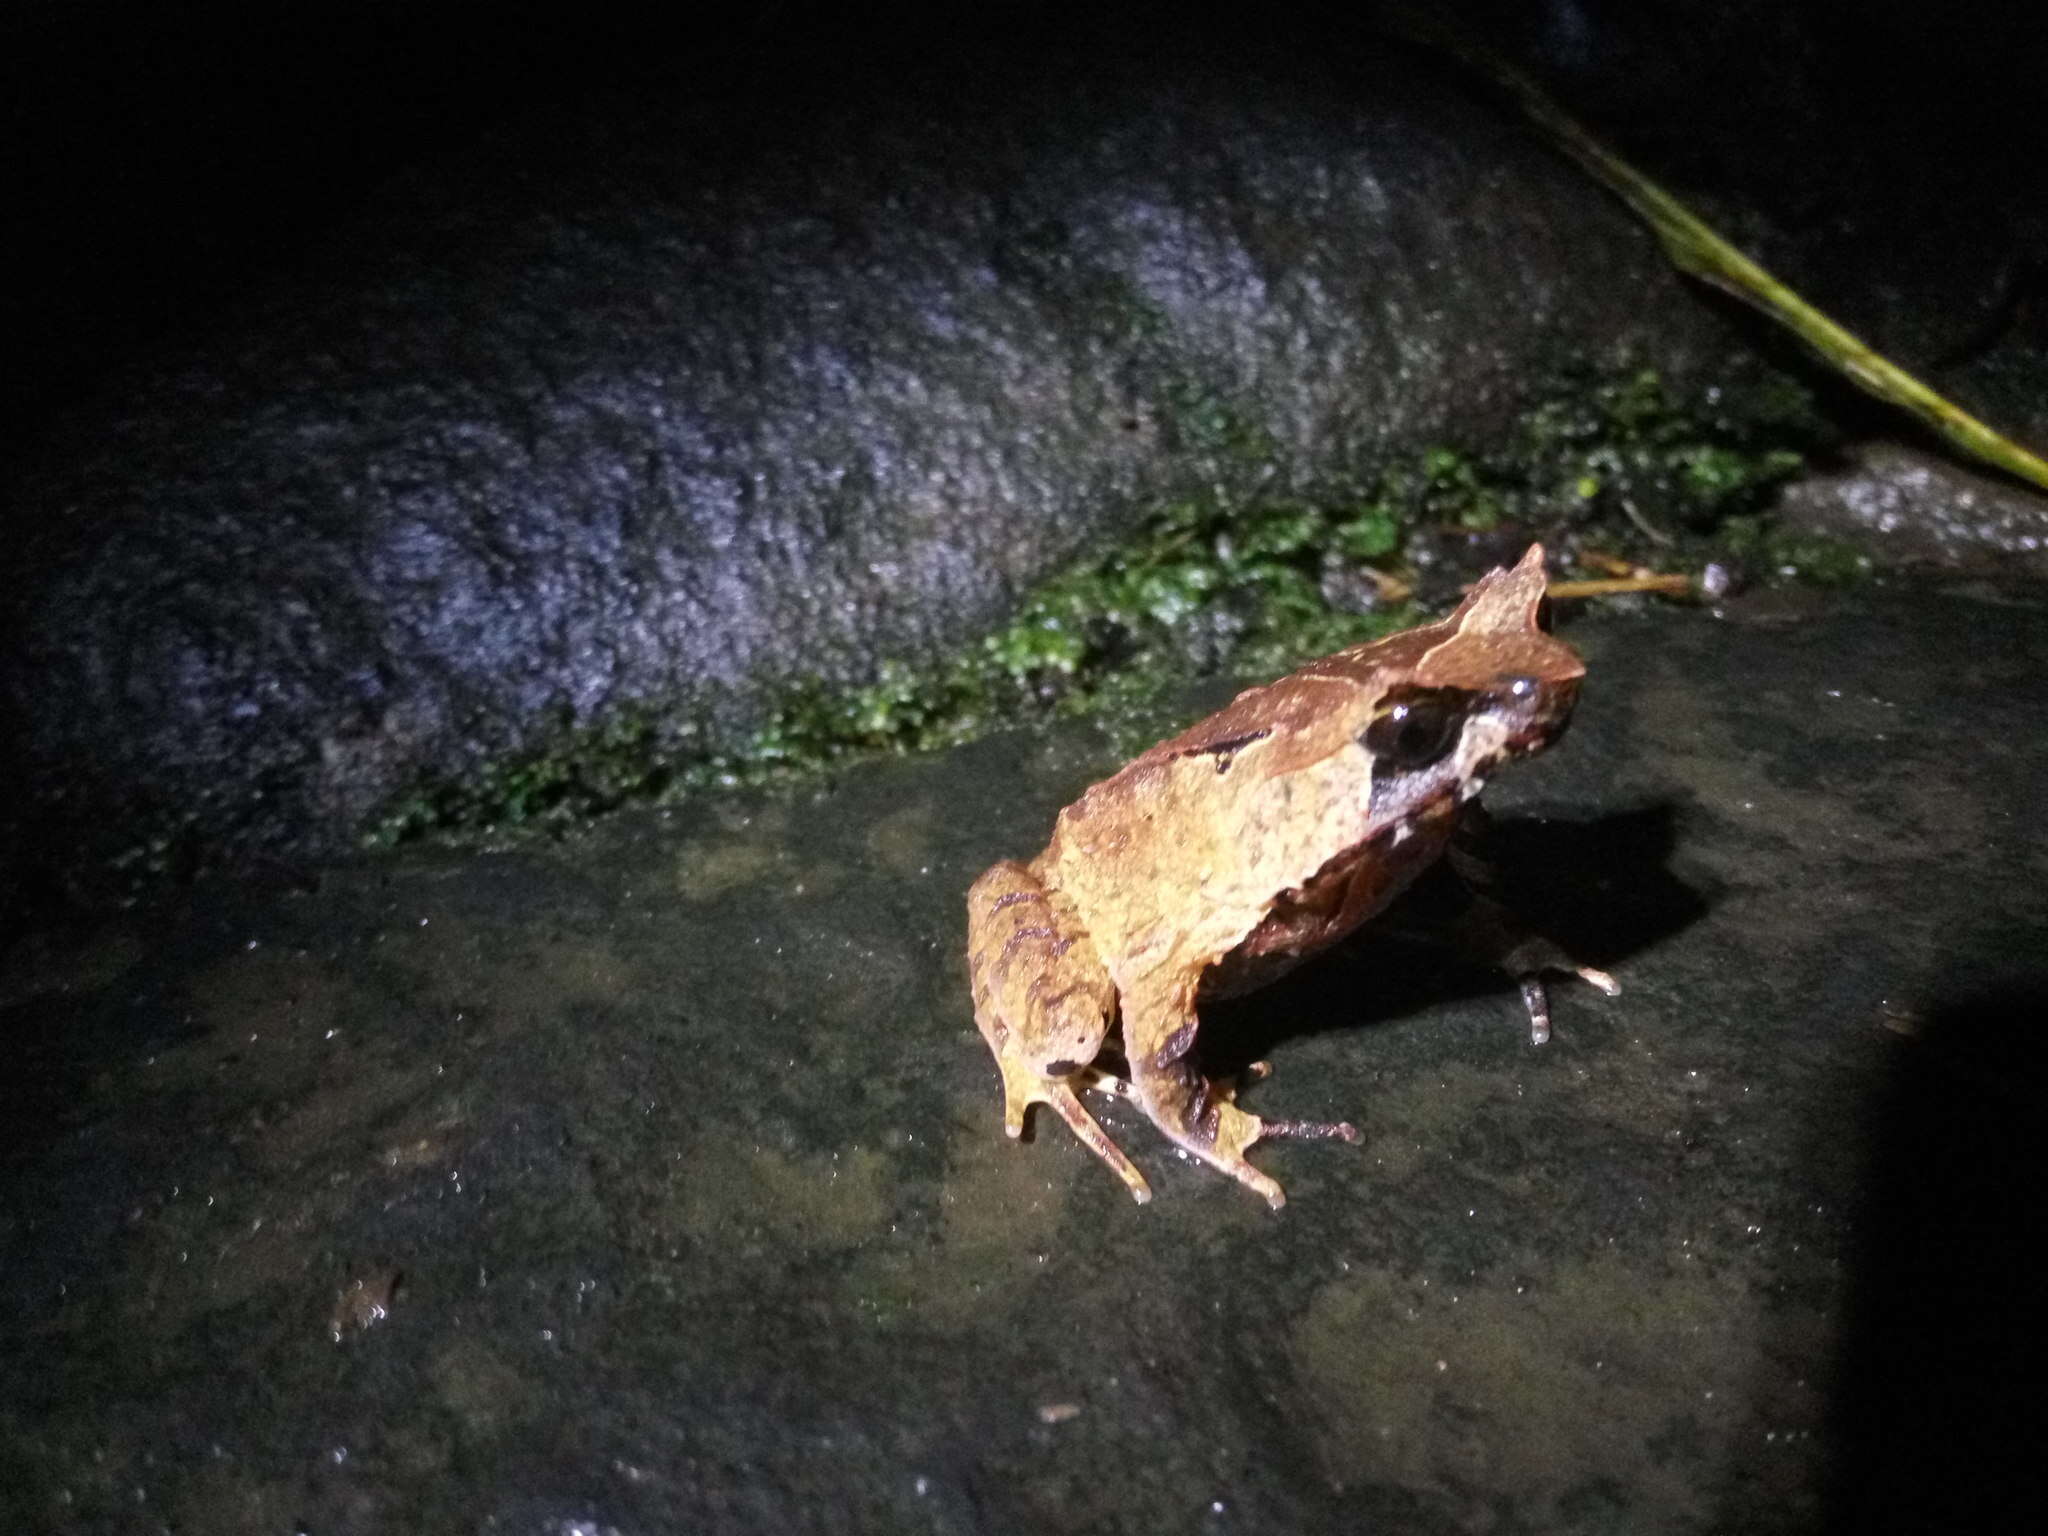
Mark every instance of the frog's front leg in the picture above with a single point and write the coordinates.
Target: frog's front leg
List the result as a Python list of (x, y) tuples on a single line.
[(1194, 1111), (1489, 930), (1043, 1002)]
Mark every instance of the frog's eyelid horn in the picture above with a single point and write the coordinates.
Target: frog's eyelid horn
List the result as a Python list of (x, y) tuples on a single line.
[(1506, 598)]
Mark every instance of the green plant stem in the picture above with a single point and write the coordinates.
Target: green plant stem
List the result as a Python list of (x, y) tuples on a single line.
[(1696, 249)]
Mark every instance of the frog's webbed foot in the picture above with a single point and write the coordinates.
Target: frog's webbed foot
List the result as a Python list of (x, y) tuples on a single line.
[(1023, 1087), (1202, 1118), (1491, 932)]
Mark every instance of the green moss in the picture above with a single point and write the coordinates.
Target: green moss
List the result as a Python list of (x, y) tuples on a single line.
[(1622, 446), (1809, 557), (1205, 426), (592, 770), (1207, 584)]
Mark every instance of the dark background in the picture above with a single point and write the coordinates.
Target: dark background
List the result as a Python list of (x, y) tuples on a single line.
[(163, 161)]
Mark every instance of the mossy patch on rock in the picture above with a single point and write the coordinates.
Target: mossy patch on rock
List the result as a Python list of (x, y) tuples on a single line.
[(1794, 554), (1215, 584)]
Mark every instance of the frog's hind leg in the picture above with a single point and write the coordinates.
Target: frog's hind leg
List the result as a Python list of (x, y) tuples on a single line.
[(1202, 1118), (1043, 1002)]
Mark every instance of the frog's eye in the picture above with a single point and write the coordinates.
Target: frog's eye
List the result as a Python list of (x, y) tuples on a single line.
[(1413, 732)]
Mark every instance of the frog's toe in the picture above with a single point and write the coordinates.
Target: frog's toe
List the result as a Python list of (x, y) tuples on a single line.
[(1599, 979), (1231, 1132), (1536, 996), (1067, 1106), (1257, 1182), (1226, 1088), (1101, 1082), (1021, 1090), (1312, 1130)]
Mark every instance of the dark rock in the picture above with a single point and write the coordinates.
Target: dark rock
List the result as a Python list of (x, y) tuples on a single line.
[(803, 348), (1911, 507), (643, 414)]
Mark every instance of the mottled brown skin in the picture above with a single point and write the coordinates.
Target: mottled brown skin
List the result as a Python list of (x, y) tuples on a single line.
[(1245, 844)]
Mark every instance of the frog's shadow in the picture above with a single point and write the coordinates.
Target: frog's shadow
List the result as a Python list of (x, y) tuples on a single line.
[(1601, 888)]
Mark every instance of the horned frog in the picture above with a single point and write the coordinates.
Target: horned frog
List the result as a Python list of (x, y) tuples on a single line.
[(1252, 840)]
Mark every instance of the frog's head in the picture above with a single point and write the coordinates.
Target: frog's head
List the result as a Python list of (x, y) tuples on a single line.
[(1487, 684), (1497, 651), (1434, 708)]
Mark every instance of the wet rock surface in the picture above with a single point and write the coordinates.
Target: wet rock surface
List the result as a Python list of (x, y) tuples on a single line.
[(1908, 506), (655, 1179)]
